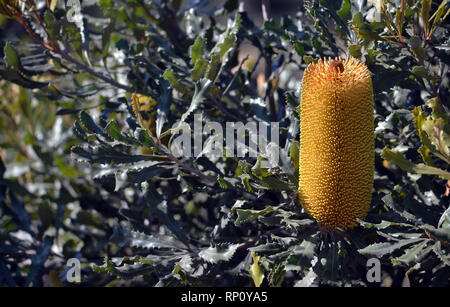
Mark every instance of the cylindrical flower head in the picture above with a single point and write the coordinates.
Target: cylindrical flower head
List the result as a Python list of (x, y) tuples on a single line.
[(336, 142)]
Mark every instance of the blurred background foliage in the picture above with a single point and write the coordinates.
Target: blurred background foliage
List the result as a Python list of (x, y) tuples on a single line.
[(91, 98)]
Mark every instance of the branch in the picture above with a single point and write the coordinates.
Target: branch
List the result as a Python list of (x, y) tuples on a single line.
[(95, 73), (265, 7)]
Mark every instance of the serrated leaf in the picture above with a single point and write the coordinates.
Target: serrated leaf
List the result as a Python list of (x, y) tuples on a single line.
[(163, 106), (426, 156), (36, 270), (11, 56), (408, 166), (346, 11), (52, 25), (444, 221), (421, 72), (308, 280), (355, 51), (440, 233), (308, 60), (218, 253), (222, 182), (213, 66), (276, 276), (381, 249), (20, 214), (107, 267), (302, 255), (385, 79), (113, 130), (389, 201), (413, 254), (382, 225), (199, 69), (196, 50), (426, 129), (248, 215), (201, 89), (66, 170), (158, 207), (20, 79), (229, 39), (89, 123), (186, 263), (104, 154), (66, 111), (444, 257), (175, 83), (142, 240), (274, 184)]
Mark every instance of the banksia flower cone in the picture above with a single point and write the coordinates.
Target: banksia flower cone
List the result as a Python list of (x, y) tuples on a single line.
[(336, 142)]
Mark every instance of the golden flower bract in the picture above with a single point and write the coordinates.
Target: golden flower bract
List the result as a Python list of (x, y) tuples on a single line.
[(336, 142)]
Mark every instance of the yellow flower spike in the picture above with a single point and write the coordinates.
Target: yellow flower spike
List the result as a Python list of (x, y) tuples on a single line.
[(336, 142)]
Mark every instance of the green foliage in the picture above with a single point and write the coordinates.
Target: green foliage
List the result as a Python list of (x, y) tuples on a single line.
[(89, 112)]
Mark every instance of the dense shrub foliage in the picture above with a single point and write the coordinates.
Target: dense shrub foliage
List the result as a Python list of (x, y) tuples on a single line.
[(92, 97)]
